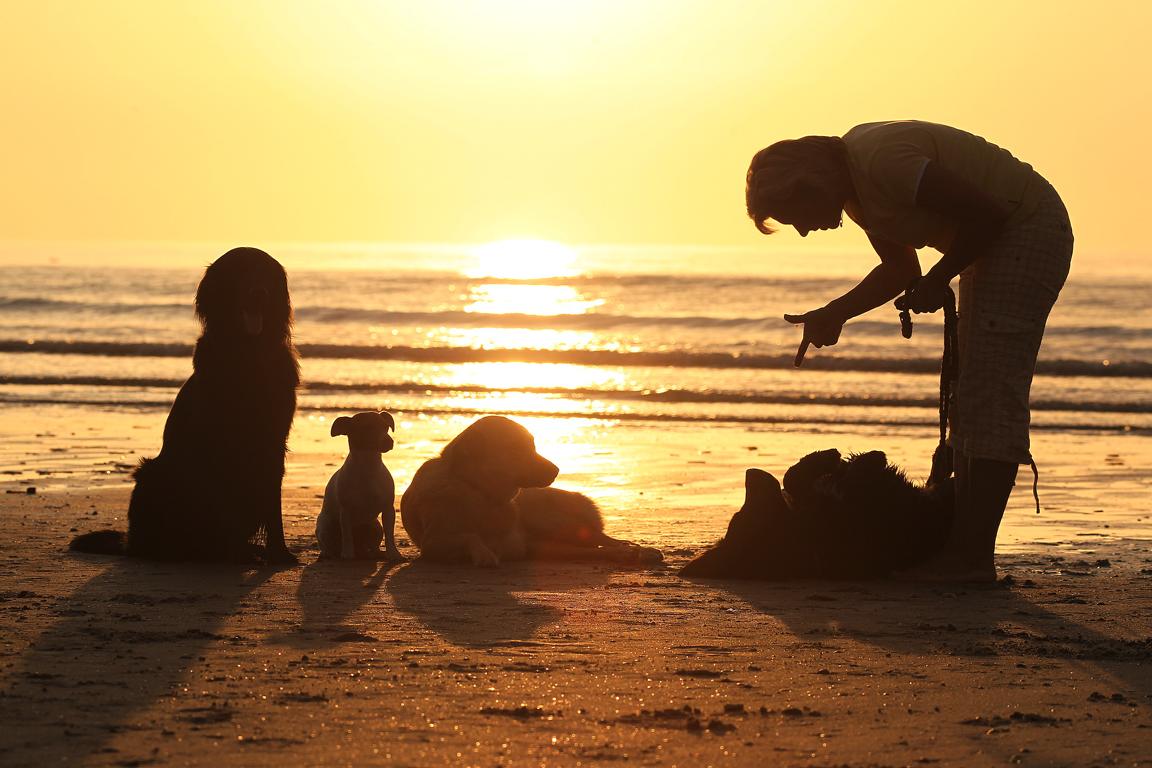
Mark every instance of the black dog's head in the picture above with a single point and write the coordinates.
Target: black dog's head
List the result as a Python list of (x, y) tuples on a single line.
[(366, 431), (244, 293)]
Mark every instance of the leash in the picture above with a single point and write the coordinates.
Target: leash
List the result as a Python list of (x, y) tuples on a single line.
[(949, 373), (942, 465)]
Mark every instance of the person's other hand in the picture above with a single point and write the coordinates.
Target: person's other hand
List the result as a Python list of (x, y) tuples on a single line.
[(928, 296), (822, 328)]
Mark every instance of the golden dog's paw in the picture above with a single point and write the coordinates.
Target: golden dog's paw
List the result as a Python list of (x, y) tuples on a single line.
[(634, 554)]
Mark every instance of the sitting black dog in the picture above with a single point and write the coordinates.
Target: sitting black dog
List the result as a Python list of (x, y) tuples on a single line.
[(214, 490), (836, 518)]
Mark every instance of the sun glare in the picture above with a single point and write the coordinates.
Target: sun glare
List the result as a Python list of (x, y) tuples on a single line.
[(523, 260), (504, 298)]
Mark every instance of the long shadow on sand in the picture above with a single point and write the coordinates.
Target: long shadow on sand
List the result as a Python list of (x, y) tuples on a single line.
[(330, 592), (477, 608), (942, 622), (123, 640)]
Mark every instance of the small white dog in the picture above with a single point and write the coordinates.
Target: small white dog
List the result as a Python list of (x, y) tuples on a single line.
[(360, 500)]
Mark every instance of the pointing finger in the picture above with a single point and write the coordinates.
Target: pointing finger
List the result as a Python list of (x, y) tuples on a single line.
[(800, 352)]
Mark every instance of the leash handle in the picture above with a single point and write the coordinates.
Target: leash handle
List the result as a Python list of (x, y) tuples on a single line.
[(905, 313)]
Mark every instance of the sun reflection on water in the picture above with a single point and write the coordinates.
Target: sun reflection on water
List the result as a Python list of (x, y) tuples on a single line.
[(525, 303), (529, 299), (527, 375)]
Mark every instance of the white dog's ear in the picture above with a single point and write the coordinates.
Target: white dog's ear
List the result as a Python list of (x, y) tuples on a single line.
[(340, 426)]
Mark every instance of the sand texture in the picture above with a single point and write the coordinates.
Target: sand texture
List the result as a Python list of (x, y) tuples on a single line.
[(117, 662), (112, 661)]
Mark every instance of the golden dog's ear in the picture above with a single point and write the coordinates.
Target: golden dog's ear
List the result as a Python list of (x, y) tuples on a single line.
[(340, 426), (453, 452), (388, 418)]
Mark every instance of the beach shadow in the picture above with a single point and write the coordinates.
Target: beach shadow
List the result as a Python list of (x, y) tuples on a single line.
[(332, 590), (124, 640), (477, 607), (950, 621)]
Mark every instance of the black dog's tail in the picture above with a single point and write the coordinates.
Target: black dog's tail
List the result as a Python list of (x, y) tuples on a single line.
[(100, 543)]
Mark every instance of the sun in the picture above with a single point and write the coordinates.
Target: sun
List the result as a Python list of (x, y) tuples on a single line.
[(523, 260)]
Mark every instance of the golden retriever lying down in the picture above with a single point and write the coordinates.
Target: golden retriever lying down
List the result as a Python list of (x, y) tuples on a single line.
[(485, 501)]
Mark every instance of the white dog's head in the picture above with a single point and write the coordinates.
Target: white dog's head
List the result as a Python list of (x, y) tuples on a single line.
[(367, 431)]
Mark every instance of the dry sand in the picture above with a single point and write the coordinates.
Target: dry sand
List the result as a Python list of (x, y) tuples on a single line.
[(109, 661)]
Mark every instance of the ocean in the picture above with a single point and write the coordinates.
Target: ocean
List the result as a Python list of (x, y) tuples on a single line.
[(537, 329)]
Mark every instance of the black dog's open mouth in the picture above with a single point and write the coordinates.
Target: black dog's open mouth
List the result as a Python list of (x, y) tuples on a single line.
[(253, 322)]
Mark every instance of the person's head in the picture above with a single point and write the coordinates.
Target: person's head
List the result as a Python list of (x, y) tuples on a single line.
[(800, 182)]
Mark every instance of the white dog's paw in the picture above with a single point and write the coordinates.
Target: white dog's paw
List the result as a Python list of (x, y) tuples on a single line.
[(393, 555)]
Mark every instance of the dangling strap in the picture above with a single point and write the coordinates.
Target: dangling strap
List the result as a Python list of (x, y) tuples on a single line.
[(1035, 483), (949, 373)]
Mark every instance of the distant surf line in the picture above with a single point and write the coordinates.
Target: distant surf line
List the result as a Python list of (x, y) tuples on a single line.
[(666, 396), (588, 357), (798, 420)]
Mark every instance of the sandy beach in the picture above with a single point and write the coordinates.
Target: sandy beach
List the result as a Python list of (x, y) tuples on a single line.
[(110, 661)]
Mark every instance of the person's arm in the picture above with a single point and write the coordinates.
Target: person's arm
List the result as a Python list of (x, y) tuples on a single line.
[(897, 268), (979, 220)]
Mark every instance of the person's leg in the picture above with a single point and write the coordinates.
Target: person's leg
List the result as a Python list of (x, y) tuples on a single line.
[(969, 556), (982, 490)]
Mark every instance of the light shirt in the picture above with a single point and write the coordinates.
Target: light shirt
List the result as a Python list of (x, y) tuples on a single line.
[(887, 161)]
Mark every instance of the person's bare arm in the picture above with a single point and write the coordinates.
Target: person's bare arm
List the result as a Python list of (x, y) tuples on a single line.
[(979, 220), (897, 268)]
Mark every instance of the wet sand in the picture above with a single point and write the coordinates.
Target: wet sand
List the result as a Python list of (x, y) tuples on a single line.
[(109, 661)]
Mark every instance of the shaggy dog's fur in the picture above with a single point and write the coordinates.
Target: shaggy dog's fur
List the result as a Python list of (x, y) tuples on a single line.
[(835, 518), (484, 500), (214, 489), (359, 509)]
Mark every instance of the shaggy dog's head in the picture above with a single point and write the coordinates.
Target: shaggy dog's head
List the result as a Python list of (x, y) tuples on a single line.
[(498, 456), (742, 553), (244, 294)]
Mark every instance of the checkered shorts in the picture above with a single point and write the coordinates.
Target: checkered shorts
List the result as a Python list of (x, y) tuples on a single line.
[(1005, 298)]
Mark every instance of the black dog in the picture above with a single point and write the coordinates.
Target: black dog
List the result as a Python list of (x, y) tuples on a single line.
[(858, 518), (215, 487)]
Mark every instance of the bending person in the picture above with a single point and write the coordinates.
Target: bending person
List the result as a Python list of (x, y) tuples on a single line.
[(999, 225)]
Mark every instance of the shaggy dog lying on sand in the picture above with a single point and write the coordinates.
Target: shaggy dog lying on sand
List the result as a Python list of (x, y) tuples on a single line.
[(836, 518), (215, 486), (485, 501)]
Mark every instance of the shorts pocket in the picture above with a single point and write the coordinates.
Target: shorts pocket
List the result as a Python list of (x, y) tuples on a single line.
[(998, 322)]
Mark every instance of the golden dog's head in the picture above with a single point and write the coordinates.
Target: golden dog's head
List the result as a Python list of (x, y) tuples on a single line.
[(499, 457)]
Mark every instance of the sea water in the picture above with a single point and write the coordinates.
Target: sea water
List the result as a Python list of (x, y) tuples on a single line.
[(676, 334)]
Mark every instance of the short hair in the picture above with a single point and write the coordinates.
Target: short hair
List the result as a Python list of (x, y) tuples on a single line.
[(776, 170)]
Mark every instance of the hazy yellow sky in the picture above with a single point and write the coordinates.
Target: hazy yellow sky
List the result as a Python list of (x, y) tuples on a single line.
[(583, 121)]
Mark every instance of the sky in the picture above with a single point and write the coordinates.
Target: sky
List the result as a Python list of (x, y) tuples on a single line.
[(579, 121)]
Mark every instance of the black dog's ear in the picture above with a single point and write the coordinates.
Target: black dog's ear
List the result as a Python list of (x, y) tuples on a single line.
[(757, 482), (340, 426), (388, 418)]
